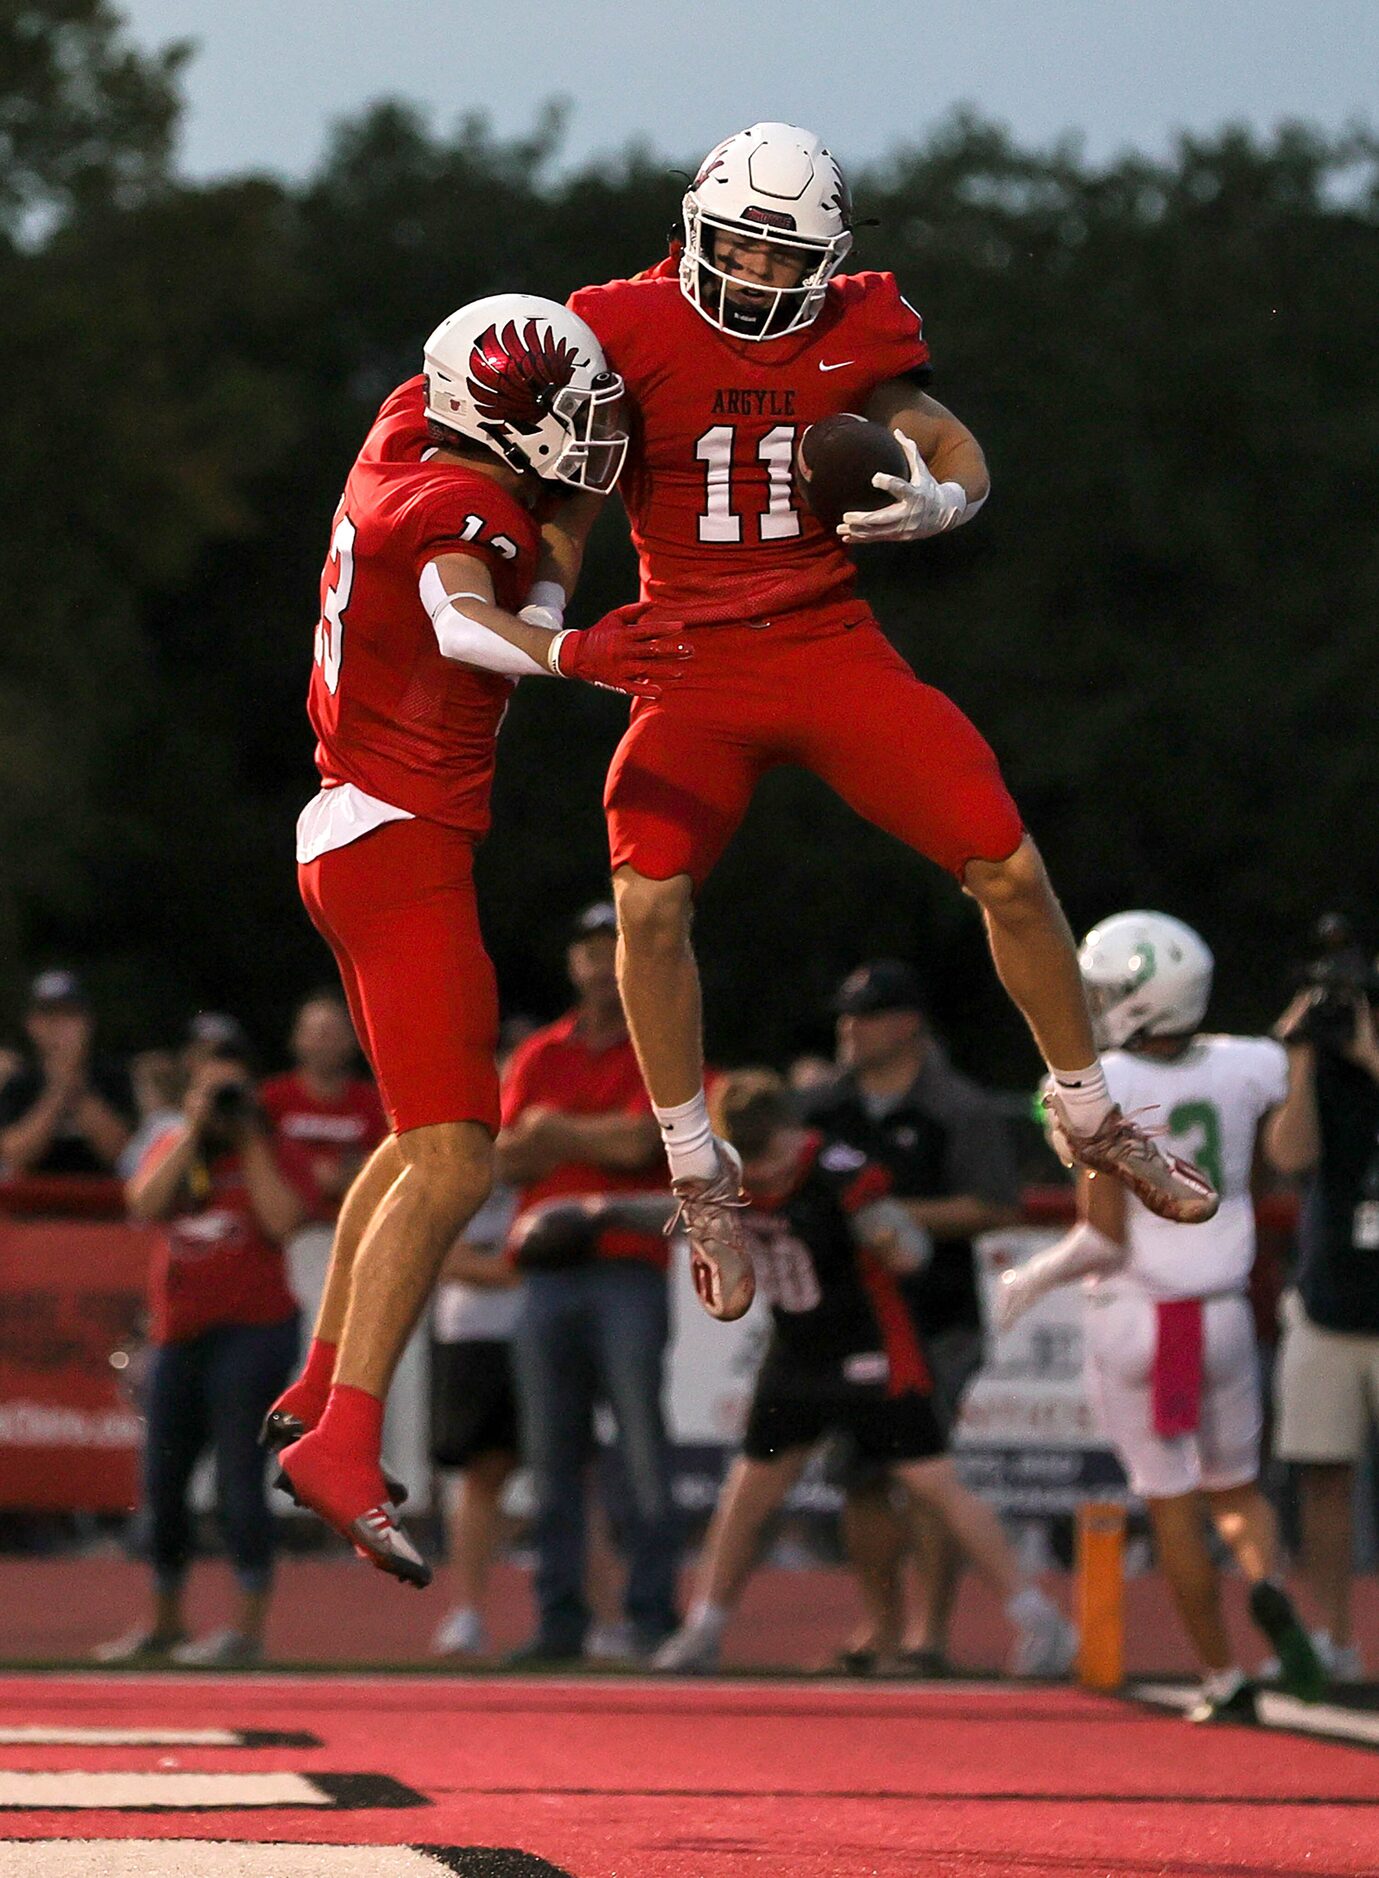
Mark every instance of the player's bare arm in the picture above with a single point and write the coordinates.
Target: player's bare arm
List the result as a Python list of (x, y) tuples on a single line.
[(471, 628), (564, 537), (1101, 1204), (943, 440), (947, 480)]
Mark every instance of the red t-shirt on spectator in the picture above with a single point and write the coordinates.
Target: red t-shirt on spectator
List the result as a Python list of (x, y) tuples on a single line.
[(556, 1068), (215, 1265), (339, 1132)]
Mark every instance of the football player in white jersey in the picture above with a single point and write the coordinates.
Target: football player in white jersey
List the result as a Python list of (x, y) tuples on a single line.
[(1172, 1363)]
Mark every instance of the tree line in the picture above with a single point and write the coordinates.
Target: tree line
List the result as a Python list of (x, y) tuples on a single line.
[(1165, 619)]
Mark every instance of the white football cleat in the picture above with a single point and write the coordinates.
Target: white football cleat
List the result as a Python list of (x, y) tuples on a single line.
[(693, 1650), (1045, 1642), (709, 1214), (1167, 1184)]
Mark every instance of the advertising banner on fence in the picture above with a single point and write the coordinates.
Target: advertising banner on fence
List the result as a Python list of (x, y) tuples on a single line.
[(71, 1310)]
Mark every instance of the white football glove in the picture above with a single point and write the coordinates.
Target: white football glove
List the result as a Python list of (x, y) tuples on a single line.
[(923, 506)]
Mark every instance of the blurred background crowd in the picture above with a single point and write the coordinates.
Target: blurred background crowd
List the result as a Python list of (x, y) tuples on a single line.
[(539, 1418)]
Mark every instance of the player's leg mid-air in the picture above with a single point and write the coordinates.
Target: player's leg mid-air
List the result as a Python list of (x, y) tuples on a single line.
[(431, 606), (749, 323), (1035, 957), (843, 1359)]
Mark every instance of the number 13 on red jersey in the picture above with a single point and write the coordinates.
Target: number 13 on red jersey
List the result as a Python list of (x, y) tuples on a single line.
[(330, 628)]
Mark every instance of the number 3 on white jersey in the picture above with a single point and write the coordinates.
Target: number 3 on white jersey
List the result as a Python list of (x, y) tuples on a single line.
[(330, 628)]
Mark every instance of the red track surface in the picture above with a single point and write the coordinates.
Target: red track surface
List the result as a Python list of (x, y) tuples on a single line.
[(715, 1780), (327, 1610)]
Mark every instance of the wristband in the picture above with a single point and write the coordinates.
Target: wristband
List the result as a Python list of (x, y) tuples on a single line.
[(553, 653), (547, 594)]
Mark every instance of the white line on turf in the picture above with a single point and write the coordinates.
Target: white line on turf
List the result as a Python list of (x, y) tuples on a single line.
[(1276, 1711), (180, 1858), (78, 1788), (36, 1735)]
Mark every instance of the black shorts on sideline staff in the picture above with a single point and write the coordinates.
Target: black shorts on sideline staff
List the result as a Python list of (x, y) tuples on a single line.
[(795, 1406), (473, 1401)]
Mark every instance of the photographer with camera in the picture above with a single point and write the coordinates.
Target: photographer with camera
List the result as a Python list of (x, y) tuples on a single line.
[(1327, 1385), (224, 1336)]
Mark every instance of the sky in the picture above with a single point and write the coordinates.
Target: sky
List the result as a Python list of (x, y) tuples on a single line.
[(270, 76)]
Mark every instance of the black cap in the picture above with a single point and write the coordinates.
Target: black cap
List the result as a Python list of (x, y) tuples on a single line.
[(599, 918), (879, 985), (56, 988)]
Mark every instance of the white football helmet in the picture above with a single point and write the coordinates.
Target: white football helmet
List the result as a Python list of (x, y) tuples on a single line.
[(778, 182), (528, 378), (1147, 975)]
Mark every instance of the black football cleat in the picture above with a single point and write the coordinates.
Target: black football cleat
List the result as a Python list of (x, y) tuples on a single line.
[(1301, 1672), (280, 1430), (1239, 1707)]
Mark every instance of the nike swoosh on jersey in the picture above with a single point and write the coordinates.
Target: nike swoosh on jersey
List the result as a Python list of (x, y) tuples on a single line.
[(836, 368)]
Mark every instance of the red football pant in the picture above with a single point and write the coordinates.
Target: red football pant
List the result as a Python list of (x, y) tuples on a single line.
[(397, 908), (837, 700)]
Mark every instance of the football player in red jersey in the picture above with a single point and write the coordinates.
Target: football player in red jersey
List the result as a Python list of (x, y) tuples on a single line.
[(433, 553), (729, 349)]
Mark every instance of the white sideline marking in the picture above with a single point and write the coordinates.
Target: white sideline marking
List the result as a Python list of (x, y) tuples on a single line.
[(37, 1736), (181, 1858), (91, 1790), (1276, 1711)]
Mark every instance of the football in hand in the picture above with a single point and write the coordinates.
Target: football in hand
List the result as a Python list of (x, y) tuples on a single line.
[(835, 463)]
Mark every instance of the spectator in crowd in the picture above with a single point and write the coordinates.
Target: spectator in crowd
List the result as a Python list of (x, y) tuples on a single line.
[(68, 1111), (1327, 1380), (158, 1082), (224, 1335), (829, 1243), (809, 1074), (899, 1101), (323, 1101), (476, 1424), (580, 1141), (325, 1106)]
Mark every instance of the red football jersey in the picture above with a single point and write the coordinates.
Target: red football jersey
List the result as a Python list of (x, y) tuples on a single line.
[(214, 1264), (337, 1134), (391, 714), (709, 483)]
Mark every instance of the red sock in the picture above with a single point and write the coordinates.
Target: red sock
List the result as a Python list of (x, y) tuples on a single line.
[(306, 1397), (353, 1424)]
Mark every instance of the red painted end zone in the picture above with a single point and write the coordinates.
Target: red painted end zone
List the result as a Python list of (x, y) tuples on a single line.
[(711, 1780)]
